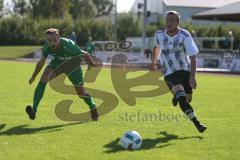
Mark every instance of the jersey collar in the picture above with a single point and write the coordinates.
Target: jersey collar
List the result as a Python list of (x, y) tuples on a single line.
[(165, 32)]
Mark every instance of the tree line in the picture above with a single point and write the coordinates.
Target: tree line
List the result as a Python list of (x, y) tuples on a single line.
[(29, 18)]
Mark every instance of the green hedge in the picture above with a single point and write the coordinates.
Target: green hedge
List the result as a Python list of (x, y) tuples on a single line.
[(26, 31)]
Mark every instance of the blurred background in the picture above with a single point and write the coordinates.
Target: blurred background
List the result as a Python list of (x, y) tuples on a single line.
[(122, 26)]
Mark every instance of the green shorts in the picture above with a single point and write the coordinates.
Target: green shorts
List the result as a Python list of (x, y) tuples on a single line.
[(75, 75)]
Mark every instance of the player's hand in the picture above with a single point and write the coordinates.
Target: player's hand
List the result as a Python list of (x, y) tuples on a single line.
[(31, 80), (193, 82), (152, 67)]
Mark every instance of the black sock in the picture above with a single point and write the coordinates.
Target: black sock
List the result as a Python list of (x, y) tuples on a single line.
[(185, 106)]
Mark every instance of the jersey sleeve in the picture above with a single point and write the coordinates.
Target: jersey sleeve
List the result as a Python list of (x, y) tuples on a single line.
[(45, 51), (191, 48), (75, 48)]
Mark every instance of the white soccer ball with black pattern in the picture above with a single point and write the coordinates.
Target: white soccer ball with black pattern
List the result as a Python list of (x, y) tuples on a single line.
[(131, 140)]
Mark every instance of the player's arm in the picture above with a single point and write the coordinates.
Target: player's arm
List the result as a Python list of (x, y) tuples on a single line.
[(38, 68), (85, 55), (88, 59), (193, 65), (193, 69), (155, 54), (192, 51)]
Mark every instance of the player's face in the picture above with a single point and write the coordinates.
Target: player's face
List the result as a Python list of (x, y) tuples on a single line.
[(53, 40), (171, 23)]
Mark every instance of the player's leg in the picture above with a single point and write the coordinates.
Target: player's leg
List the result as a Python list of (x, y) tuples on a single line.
[(189, 97), (170, 87), (88, 100), (47, 75), (171, 80), (176, 81), (76, 78), (185, 106), (188, 89)]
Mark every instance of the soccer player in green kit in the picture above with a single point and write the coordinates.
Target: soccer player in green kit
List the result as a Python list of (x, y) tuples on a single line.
[(90, 46), (61, 49)]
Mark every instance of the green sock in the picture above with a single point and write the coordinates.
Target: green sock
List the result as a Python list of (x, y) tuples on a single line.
[(88, 100), (38, 94)]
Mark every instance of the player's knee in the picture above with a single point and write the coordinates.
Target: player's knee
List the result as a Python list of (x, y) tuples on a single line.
[(181, 98), (81, 94), (80, 91), (85, 95), (179, 94), (189, 98), (177, 88), (48, 75), (44, 79)]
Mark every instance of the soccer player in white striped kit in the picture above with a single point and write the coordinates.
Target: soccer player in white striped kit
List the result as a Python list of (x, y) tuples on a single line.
[(177, 52)]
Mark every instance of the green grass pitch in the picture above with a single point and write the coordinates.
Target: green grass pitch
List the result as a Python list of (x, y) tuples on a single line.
[(216, 102), (11, 52)]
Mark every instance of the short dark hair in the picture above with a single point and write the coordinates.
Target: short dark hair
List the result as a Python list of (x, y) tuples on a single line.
[(173, 13), (51, 31)]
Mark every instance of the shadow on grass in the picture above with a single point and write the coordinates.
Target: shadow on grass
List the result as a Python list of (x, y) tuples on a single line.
[(24, 129), (147, 144)]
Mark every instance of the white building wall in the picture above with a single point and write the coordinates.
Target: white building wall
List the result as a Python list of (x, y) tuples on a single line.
[(185, 12), (155, 6), (158, 9)]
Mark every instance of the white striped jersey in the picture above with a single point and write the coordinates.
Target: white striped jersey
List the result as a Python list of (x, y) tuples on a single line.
[(175, 50)]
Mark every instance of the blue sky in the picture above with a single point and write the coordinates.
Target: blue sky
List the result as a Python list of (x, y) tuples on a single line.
[(122, 5)]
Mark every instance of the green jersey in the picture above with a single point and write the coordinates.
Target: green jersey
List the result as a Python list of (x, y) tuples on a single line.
[(67, 50)]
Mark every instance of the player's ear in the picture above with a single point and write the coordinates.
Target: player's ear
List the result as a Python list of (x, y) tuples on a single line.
[(46, 37)]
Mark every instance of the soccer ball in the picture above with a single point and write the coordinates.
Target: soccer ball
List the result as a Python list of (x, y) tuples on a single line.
[(131, 140)]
